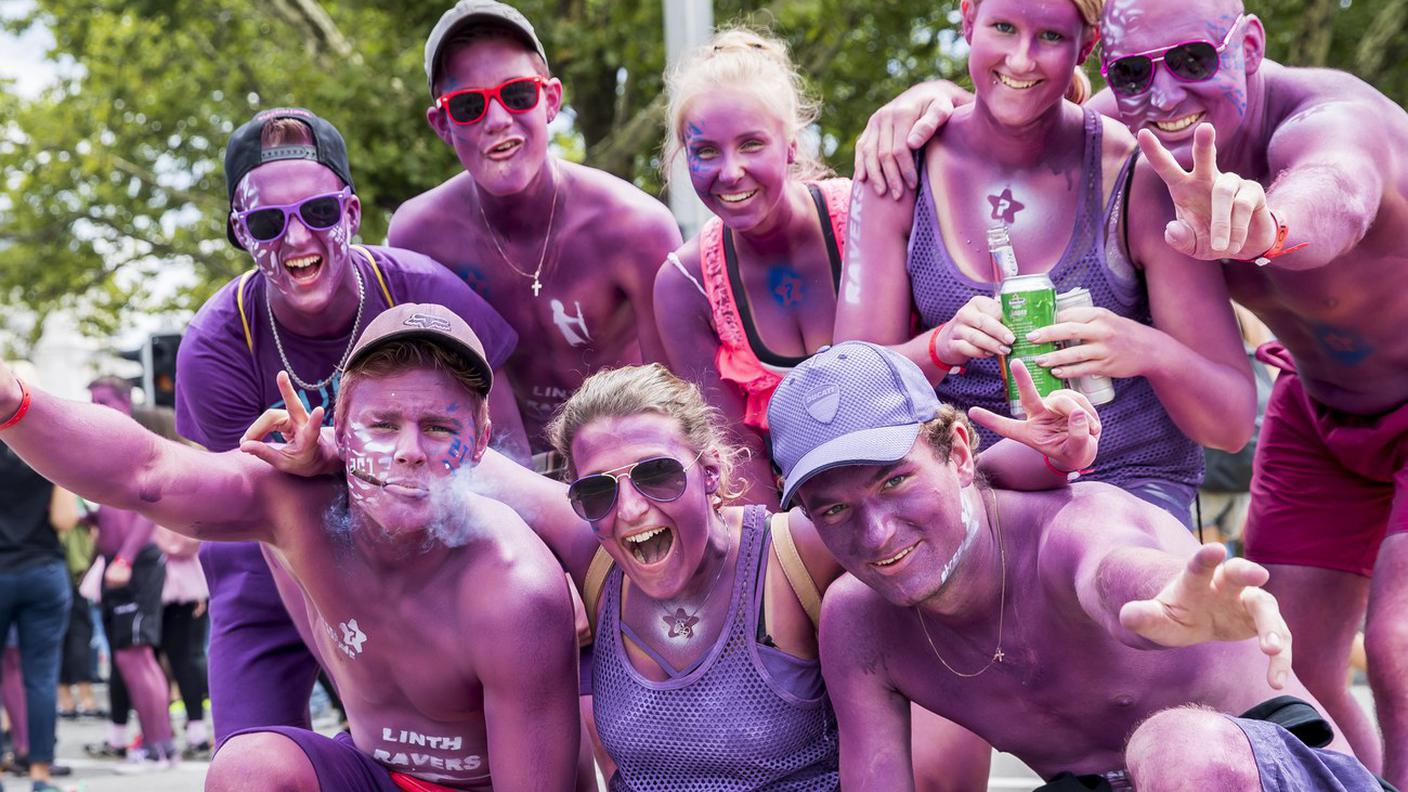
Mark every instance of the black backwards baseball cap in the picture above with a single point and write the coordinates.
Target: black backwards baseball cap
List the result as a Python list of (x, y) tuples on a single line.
[(244, 152), (473, 13), (425, 322)]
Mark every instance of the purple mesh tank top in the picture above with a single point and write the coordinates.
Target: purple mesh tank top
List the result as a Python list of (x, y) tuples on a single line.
[(1139, 441), (725, 725)]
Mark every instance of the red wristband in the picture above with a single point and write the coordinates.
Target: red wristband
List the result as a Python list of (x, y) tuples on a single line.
[(950, 368), (23, 408), (1278, 248), (119, 560), (1069, 475)]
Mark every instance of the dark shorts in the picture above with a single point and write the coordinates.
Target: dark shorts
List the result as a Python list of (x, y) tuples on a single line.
[(132, 613), (341, 766), (1326, 486)]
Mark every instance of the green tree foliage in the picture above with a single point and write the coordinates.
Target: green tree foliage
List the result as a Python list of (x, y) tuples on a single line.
[(114, 175)]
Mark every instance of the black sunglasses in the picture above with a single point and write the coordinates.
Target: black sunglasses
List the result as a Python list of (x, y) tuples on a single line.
[(661, 479), (1188, 61)]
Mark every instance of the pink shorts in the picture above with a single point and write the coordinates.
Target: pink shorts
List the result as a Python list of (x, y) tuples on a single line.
[(1327, 486)]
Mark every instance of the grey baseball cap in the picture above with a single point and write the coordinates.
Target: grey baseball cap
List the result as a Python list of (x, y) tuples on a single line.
[(851, 404), (426, 322), (467, 13)]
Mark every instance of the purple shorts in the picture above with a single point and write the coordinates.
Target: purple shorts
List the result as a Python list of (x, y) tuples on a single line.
[(337, 761), (1286, 764), (1327, 486)]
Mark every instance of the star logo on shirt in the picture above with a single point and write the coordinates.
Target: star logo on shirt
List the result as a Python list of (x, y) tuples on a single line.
[(1005, 207), (352, 637)]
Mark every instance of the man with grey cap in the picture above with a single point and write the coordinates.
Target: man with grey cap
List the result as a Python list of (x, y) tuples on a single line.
[(294, 209), (388, 566), (566, 253), (1081, 629)]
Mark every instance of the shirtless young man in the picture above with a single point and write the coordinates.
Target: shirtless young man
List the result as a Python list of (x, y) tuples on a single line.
[(568, 254), (394, 564), (1082, 630), (1329, 515), (295, 210)]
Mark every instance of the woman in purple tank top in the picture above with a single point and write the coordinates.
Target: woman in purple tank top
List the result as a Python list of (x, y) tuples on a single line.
[(705, 670), (1080, 209)]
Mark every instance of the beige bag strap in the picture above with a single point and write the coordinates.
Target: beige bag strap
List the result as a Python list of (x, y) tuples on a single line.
[(796, 571), (596, 578)]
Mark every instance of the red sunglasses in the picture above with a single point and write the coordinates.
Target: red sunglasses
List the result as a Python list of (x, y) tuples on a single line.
[(468, 105)]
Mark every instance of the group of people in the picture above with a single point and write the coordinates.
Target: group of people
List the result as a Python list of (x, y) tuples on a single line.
[(814, 579)]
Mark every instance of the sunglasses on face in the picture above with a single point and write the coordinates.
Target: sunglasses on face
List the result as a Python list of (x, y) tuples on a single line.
[(661, 479), (1189, 61), (468, 105), (318, 213)]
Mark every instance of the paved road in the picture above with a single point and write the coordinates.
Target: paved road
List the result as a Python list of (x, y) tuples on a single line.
[(91, 775)]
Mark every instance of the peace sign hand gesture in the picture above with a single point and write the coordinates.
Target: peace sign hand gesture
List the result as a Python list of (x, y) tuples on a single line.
[(1219, 215), (309, 451), (1063, 426), (1213, 600)]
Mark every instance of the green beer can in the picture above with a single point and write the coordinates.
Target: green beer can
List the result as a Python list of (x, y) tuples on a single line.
[(1028, 302)]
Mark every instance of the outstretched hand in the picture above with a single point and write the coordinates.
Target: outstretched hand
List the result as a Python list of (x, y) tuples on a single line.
[(885, 149), (1218, 214), (1215, 601), (1063, 426), (306, 452)]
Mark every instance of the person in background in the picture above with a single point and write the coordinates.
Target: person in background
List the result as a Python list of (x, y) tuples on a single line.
[(76, 669), (35, 593)]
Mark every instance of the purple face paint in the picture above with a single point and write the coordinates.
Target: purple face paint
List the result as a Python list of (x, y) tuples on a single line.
[(503, 151), (1022, 57), (737, 149), (308, 269), (1172, 108), (402, 444), (900, 535), (666, 564)]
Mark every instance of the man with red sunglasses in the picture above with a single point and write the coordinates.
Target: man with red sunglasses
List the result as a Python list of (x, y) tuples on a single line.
[(1311, 257), (566, 253), (294, 208)]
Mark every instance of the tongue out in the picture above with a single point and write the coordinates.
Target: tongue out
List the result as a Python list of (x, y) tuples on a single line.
[(654, 549)]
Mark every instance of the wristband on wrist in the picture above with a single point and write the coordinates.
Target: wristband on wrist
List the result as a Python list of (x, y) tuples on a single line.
[(948, 368), (22, 409), (1278, 248), (1069, 475)]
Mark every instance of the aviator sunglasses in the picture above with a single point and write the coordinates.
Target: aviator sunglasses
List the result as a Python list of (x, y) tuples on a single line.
[(468, 105), (318, 213), (1188, 61), (661, 479)]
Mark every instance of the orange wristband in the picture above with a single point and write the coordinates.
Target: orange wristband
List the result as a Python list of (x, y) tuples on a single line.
[(1278, 248), (950, 368), (1069, 475), (23, 408)]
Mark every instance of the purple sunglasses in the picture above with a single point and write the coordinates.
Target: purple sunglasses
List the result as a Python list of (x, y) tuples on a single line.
[(318, 213)]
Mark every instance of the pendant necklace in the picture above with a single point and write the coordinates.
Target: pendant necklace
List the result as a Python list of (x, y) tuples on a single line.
[(680, 621), (351, 339), (997, 654), (547, 237)]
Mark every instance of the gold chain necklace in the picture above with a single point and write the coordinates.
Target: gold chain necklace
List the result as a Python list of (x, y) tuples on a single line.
[(997, 655), (547, 237)]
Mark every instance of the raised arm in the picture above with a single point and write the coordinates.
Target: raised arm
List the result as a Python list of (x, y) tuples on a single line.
[(529, 673), (885, 149), (107, 457), (872, 716), (691, 345)]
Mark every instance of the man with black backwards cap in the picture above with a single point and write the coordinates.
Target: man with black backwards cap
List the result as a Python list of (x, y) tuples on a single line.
[(1080, 629), (392, 568), (568, 254), (293, 207)]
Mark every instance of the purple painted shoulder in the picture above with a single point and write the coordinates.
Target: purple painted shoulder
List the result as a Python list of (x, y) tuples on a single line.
[(214, 365)]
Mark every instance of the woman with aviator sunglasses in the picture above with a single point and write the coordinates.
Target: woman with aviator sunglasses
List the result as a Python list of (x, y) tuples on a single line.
[(705, 673), (1081, 209)]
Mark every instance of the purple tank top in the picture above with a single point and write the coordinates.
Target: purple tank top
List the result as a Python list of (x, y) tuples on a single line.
[(727, 724), (1139, 441)]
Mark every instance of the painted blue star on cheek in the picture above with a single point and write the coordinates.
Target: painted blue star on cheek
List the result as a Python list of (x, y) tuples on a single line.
[(1005, 207)]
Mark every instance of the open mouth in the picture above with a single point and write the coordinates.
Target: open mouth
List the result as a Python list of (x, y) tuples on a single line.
[(1020, 85), (650, 547), (896, 558), (304, 269), (733, 198), (505, 149), (1179, 124)]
